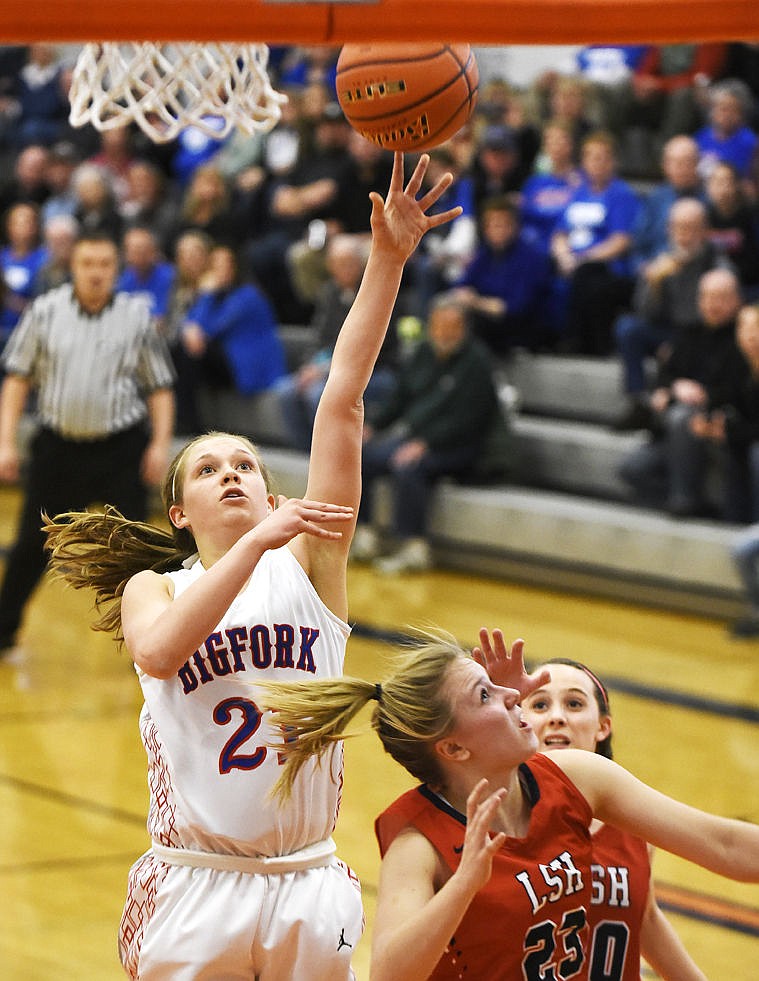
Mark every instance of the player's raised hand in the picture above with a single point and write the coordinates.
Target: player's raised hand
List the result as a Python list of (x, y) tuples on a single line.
[(505, 664), (400, 220), (294, 516), (480, 844)]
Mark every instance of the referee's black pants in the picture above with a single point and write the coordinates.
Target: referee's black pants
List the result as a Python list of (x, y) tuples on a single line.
[(67, 475)]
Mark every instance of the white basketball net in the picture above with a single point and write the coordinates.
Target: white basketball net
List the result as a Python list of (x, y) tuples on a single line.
[(165, 88)]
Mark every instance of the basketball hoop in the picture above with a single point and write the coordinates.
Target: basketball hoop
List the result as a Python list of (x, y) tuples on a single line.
[(165, 88)]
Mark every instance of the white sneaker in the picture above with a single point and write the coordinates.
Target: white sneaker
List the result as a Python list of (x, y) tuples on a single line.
[(365, 544), (414, 555)]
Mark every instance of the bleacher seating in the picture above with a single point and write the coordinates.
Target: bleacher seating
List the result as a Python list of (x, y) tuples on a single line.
[(564, 518)]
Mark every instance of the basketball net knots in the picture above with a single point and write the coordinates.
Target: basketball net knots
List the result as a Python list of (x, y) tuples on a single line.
[(165, 88)]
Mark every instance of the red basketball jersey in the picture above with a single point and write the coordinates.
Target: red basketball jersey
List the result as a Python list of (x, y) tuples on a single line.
[(621, 872), (529, 922)]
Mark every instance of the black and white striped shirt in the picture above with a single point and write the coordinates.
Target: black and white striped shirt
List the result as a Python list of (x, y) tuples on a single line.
[(91, 372)]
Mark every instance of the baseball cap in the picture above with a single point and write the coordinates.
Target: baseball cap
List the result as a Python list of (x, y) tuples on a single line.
[(499, 138)]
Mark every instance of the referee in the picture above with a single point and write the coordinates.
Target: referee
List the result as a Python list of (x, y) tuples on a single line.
[(104, 404)]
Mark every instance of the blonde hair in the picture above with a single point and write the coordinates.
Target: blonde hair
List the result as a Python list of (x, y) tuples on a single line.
[(103, 550), (413, 711)]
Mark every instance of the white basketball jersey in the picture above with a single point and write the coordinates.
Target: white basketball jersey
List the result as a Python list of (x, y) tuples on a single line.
[(210, 770)]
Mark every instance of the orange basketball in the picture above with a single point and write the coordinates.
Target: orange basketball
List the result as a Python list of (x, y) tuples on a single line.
[(407, 96)]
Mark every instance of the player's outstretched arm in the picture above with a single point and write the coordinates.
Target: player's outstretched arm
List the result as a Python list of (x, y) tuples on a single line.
[(723, 845), (398, 222)]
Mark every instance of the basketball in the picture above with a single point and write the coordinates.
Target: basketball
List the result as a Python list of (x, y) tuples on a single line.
[(407, 96)]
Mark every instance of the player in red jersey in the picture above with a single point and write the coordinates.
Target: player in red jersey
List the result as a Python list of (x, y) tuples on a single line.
[(486, 866), (572, 710)]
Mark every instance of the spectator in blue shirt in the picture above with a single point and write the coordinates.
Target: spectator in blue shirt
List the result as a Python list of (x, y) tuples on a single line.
[(146, 272), (229, 339), (21, 260), (591, 247), (547, 192), (505, 284), (679, 164), (727, 137)]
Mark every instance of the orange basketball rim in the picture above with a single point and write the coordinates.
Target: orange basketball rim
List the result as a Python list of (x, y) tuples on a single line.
[(306, 22)]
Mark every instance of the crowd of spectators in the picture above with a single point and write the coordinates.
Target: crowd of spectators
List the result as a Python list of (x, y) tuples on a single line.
[(595, 200)]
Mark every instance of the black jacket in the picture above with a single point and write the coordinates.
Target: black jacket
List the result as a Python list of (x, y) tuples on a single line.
[(448, 403)]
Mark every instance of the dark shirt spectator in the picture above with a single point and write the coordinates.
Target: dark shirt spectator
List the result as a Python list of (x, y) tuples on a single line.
[(434, 424), (743, 63), (59, 177), (28, 183), (42, 99), (564, 98), (368, 170), (309, 193), (208, 206), (12, 60), (665, 301), (497, 167), (115, 155), (150, 202), (734, 225), (299, 392), (698, 375), (665, 85), (96, 209), (735, 425), (59, 234)]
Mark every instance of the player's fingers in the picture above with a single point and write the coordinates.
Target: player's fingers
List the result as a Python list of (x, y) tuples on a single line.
[(434, 220), (318, 532), (543, 677), (396, 178), (475, 796), (517, 647), (485, 644), (415, 181), (435, 192), (324, 506)]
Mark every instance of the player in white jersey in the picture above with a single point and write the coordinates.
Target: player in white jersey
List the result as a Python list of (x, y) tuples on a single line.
[(237, 884)]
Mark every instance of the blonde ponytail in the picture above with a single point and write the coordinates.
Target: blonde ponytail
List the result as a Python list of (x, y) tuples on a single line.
[(102, 551), (312, 716), (413, 711)]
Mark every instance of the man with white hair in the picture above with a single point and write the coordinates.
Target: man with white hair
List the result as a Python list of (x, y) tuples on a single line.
[(60, 234), (665, 300), (698, 376)]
